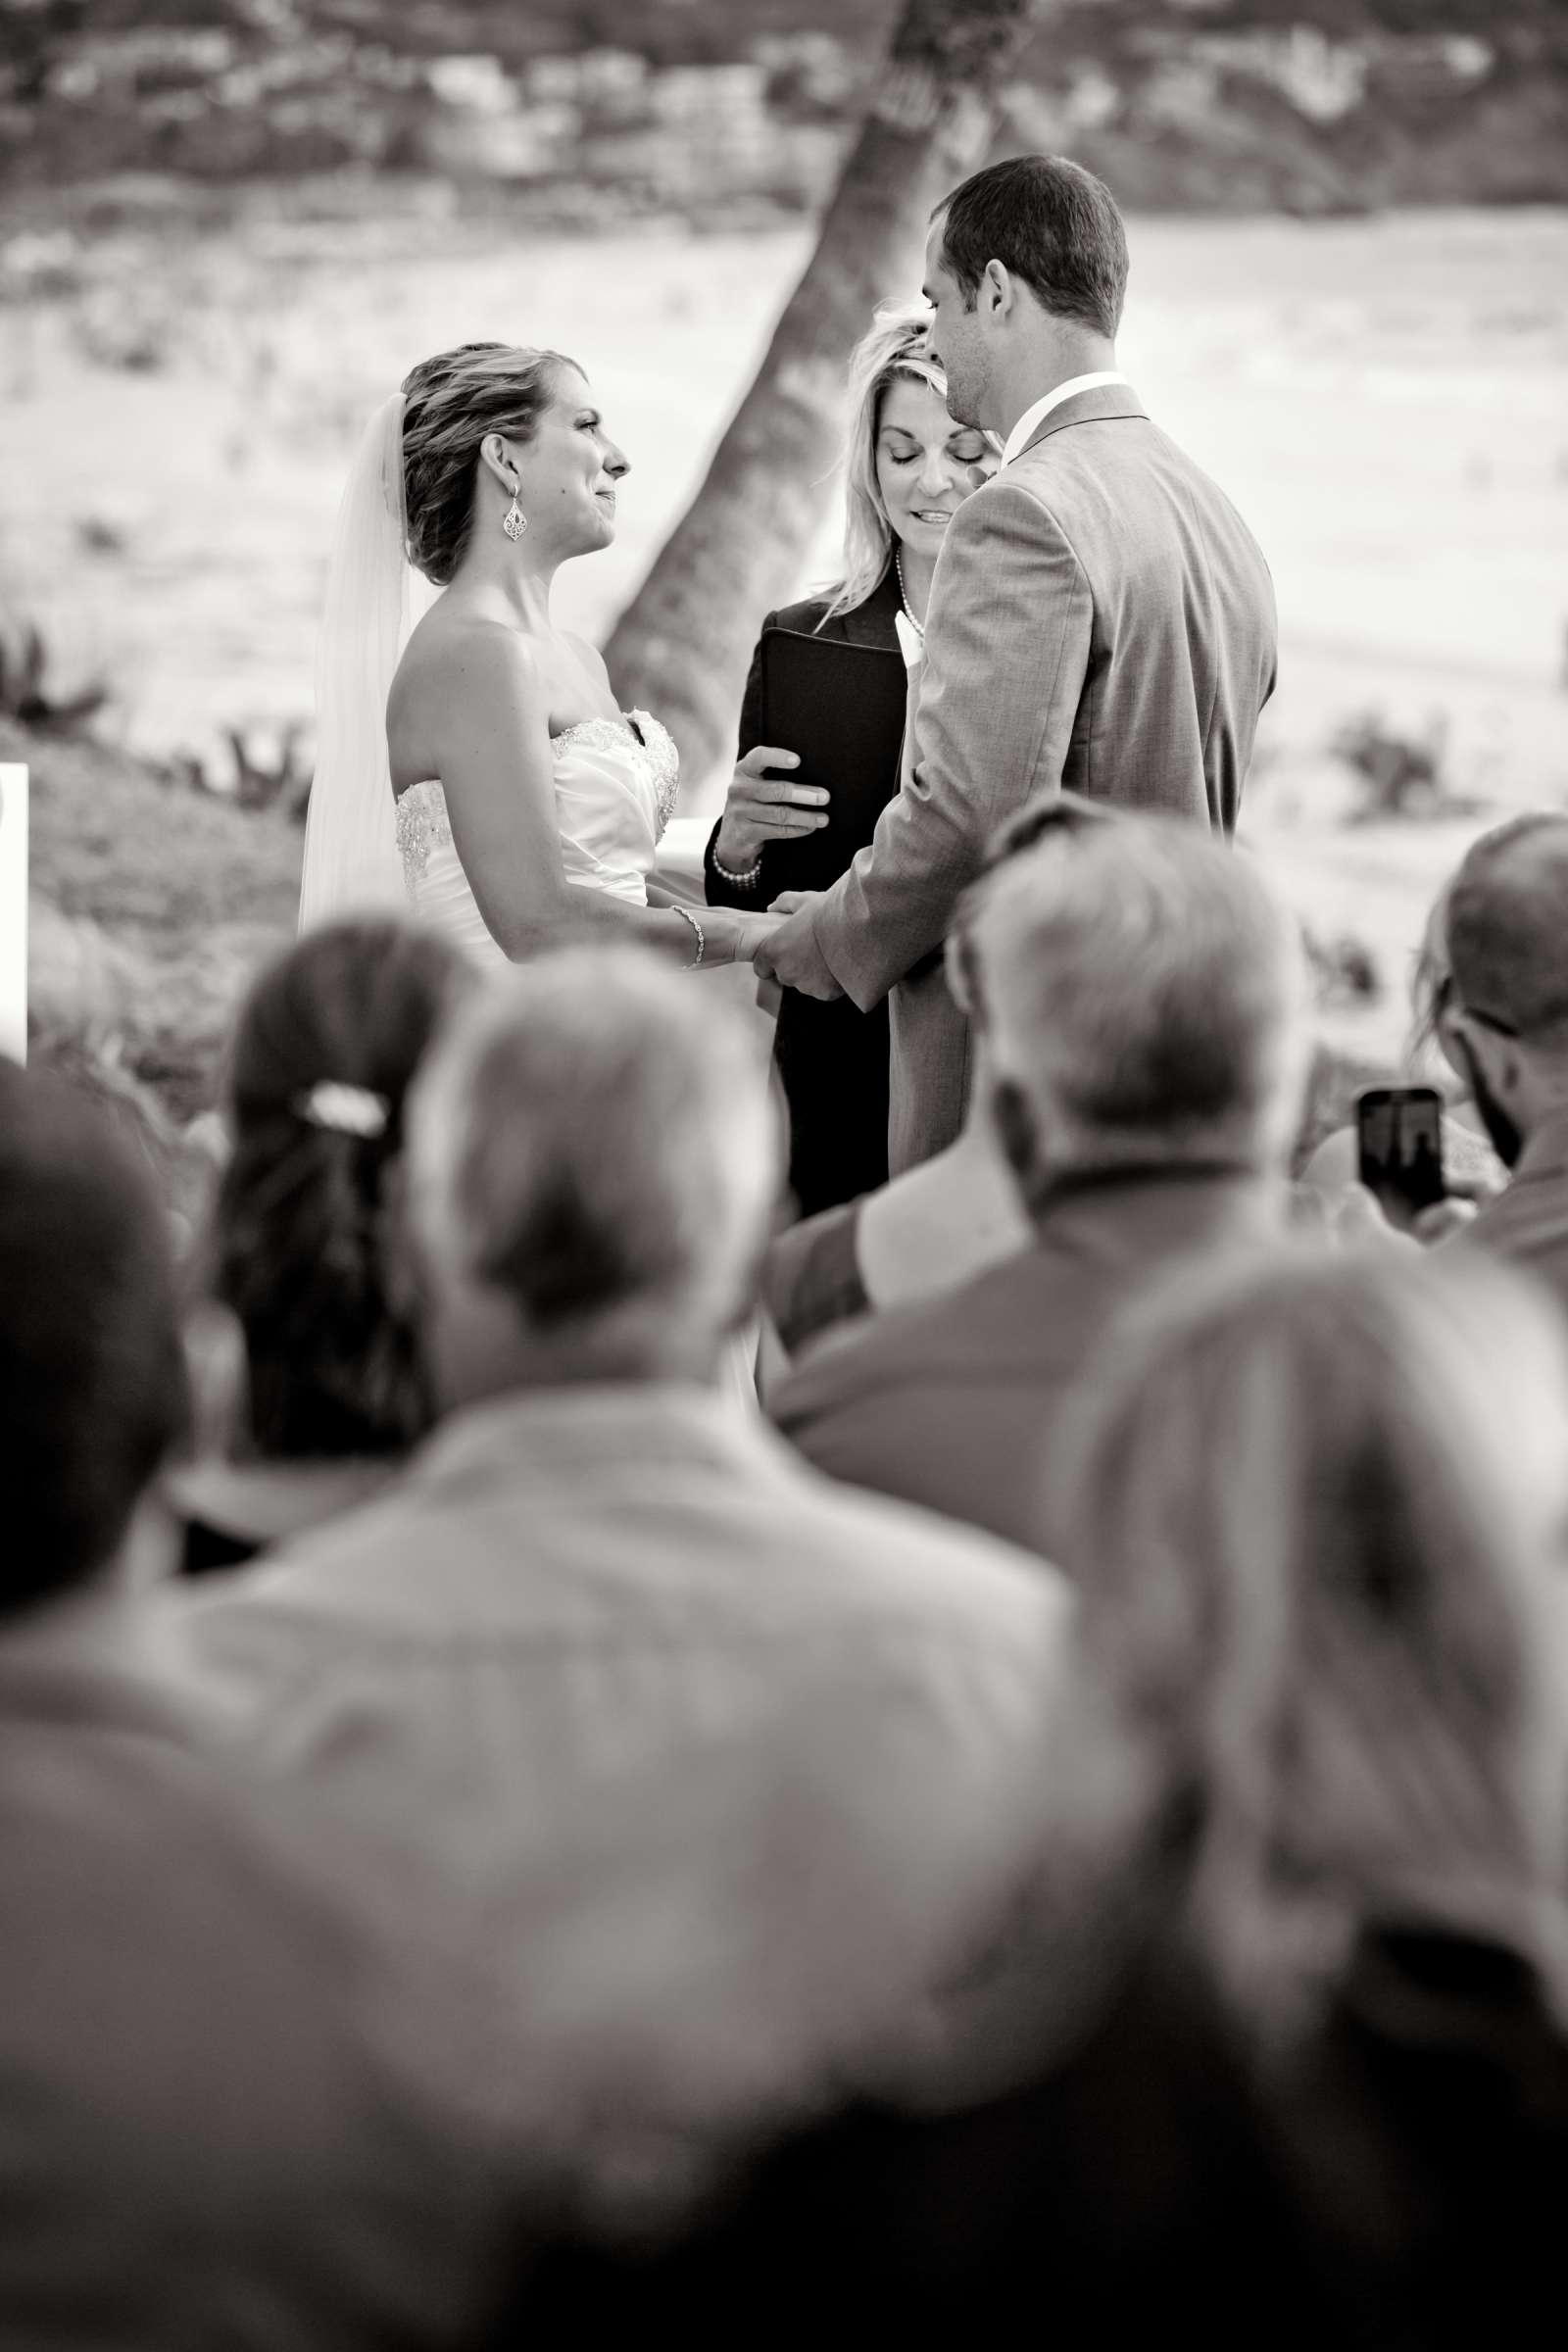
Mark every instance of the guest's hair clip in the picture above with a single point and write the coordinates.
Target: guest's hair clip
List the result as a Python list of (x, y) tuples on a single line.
[(343, 1109)]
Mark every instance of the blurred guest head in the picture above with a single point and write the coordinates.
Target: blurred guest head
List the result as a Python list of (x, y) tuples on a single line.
[(1327, 1196), (1025, 271), (1143, 1001), (92, 1385), (1431, 982), (1046, 817), (594, 1166), (906, 464), (490, 426), (307, 1243), (1507, 1014), (1317, 1525)]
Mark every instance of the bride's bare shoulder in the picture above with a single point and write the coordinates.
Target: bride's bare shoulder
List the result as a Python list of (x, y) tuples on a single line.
[(455, 647), (451, 635)]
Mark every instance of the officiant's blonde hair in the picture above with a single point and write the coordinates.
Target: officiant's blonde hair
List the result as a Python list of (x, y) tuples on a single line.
[(897, 345)]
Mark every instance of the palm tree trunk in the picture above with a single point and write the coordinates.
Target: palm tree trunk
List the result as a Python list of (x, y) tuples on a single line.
[(681, 646)]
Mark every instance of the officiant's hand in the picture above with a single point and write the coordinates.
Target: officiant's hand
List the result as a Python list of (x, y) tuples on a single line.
[(792, 955), (762, 809)]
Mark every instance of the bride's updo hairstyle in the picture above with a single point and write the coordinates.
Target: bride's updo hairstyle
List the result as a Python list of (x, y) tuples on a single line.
[(451, 403)]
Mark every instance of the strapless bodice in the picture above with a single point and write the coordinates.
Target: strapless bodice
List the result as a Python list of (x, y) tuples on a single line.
[(615, 780)]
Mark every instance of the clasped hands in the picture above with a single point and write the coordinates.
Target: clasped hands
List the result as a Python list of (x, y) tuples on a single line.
[(788, 952)]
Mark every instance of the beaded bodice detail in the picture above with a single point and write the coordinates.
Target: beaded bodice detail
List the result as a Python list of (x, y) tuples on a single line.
[(652, 744), (635, 742)]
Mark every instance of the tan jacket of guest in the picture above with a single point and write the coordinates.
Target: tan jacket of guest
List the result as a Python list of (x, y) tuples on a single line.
[(1103, 620), (721, 1762)]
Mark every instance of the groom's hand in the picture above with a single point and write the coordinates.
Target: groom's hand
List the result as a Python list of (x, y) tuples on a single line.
[(790, 955)]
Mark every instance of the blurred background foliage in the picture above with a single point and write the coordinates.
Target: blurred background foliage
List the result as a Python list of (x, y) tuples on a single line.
[(1309, 106)]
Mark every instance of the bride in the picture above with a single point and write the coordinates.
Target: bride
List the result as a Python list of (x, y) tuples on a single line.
[(479, 765)]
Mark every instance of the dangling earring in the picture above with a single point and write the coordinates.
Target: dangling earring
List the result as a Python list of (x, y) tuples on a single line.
[(514, 521)]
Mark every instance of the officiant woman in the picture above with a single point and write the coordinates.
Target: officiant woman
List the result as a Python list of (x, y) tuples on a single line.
[(821, 730)]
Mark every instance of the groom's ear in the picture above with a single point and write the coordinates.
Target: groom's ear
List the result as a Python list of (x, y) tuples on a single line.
[(997, 292)]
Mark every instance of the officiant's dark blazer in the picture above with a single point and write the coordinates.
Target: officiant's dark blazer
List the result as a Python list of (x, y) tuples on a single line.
[(1102, 618), (832, 1059)]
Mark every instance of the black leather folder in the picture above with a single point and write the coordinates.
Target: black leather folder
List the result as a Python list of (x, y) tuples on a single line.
[(841, 708)]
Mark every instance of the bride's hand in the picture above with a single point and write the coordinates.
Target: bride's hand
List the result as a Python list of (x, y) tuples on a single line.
[(762, 809), (733, 936), (752, 930)]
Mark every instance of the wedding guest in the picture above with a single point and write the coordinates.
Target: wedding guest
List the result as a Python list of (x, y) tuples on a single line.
[(906, 468), (306, 1252), (918, 1234), (1317, 1537), (1141, 998), (933, 1225), (713, 1750), (1470, 1167), (1311, 1783), (178, 1162), (211, 2135), (1506, 1021), (1102, 617)]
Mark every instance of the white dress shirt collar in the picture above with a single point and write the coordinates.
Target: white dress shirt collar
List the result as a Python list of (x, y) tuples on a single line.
[(912, 639), (1034, 418)]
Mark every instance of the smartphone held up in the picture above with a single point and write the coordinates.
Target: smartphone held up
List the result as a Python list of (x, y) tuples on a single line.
[(1399, 1150)]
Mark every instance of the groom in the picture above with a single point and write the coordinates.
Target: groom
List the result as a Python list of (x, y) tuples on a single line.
[(1102, 617)]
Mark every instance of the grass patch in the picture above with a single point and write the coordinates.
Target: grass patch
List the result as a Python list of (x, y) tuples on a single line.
[(152, 905), (151, 861)]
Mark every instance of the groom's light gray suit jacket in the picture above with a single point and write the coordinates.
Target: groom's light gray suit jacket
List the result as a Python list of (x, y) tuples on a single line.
[(1102, 618)]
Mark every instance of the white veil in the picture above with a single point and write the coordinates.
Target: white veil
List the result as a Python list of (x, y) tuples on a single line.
[(373, 597)]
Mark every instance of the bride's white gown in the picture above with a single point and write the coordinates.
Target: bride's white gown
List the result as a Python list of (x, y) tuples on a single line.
[(616, 785)]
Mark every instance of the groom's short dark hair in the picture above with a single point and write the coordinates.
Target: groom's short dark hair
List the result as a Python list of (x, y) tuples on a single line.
[(1051, 222)]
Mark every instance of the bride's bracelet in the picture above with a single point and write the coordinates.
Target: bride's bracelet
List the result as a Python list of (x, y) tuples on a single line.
[(687, 916)]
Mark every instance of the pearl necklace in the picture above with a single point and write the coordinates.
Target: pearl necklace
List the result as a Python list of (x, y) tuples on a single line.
[(918, 626)]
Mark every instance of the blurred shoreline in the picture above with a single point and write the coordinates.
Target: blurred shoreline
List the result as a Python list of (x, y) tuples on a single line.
[(1204, 107)]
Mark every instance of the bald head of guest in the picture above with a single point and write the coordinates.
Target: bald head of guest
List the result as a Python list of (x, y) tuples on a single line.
[(1506, 1018), (92, 1379)]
